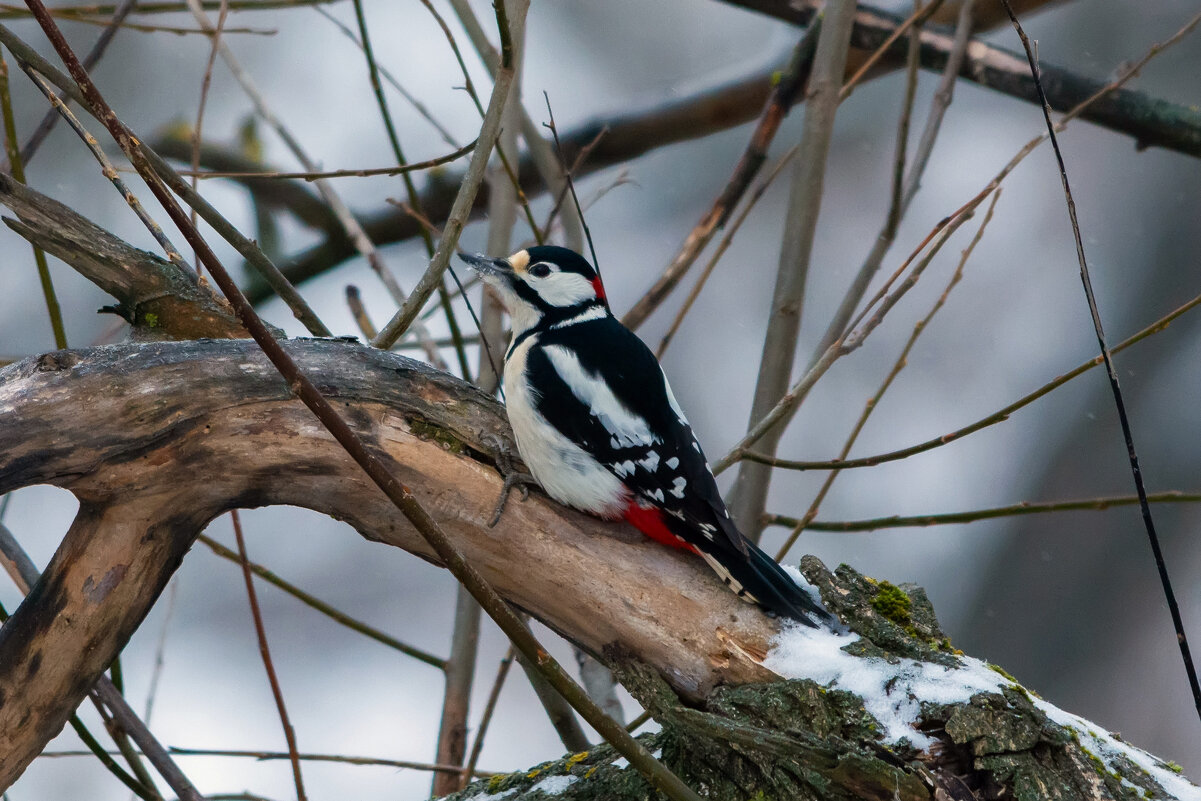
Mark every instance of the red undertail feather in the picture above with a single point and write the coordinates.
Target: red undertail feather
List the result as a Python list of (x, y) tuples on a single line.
[(649, 521)]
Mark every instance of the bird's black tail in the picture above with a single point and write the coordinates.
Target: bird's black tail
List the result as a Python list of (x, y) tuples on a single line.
[(757, 576)]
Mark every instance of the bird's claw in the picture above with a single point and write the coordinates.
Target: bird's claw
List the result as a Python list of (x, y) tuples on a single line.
[(513, 477), (522, 482)]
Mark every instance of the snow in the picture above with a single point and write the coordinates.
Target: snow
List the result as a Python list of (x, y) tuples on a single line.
[(1108, 749), (492, 796), (893, 692), (803, 583), (553, 785)]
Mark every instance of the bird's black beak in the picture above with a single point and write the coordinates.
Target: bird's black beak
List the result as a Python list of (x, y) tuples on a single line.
[(486, 265)]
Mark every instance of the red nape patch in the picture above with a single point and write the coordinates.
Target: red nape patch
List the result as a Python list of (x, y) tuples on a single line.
[(599, 288), (649, 521)]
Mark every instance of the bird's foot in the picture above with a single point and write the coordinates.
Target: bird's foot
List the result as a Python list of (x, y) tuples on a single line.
[(513, 477), (523, 482)]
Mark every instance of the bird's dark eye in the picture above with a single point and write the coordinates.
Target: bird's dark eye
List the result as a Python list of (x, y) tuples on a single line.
[(540, 270)]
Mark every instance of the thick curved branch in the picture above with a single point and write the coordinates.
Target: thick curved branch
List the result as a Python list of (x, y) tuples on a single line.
[(128, 428)]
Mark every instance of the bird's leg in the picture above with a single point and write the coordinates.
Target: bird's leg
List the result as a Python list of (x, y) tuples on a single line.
[(513, 476)]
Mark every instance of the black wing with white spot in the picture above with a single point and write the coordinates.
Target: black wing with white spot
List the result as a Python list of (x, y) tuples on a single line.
[(604, 390)]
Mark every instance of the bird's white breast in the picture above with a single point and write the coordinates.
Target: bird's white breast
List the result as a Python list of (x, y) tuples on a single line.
[(567, 472)]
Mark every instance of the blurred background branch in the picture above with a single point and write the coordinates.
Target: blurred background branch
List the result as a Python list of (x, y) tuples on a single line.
[(1040, 586)]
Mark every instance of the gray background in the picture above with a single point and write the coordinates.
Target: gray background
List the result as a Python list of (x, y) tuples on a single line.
[(1070, 604)]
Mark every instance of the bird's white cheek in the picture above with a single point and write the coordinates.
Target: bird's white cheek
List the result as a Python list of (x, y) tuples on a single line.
[(523, 315), (565, 289)]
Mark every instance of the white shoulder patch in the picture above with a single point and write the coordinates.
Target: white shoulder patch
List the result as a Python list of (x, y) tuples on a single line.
[(594, 313), (625, 428)]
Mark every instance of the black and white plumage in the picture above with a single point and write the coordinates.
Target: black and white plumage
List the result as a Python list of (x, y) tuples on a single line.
[(599, 428)]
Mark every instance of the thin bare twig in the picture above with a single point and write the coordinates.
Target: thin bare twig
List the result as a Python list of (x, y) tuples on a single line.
[(502, 671), (442, 342), (783, 95), (999, 416), (451, 748), (721, 249), (415, 166), (749, 494), (939, 104), (9, 11), (637, 722), (458, 213), (1126, 74), (573, 234), (1013, 510), (160, 650), (902, 195), (321, 606), (205, 83), (874, 402), (124, 746), (1119, 403), (417, 105), (570, 181), (658, 775), (800, 390), (896, 195), (260, 633), (347, 219), (177, 30), (354, 300), (539, 150), (558, 708), (265, 756), (410, 188), (53, 310), (913, 22), (51, 117), (107, 168)]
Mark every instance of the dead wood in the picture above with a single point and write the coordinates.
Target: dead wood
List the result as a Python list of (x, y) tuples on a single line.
[(157, 439), (152, 293)]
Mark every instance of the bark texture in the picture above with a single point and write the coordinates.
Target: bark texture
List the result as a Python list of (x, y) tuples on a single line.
[(156, 439), (129, 429), (164, 300), (132, 429), (799, 740)]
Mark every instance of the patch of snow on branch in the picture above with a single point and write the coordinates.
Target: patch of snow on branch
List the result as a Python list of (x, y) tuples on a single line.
[(891, 693), (492, 796), (1109, 749), (554, 785), (802, 582), (894, 692)]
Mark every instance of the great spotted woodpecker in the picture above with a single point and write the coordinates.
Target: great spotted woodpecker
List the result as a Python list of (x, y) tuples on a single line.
[(599, 428)]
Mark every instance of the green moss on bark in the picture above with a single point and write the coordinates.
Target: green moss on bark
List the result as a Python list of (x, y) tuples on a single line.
[(797, 740)]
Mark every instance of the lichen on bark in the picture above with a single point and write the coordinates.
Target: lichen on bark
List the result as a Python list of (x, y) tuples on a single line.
[(795, 739)]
